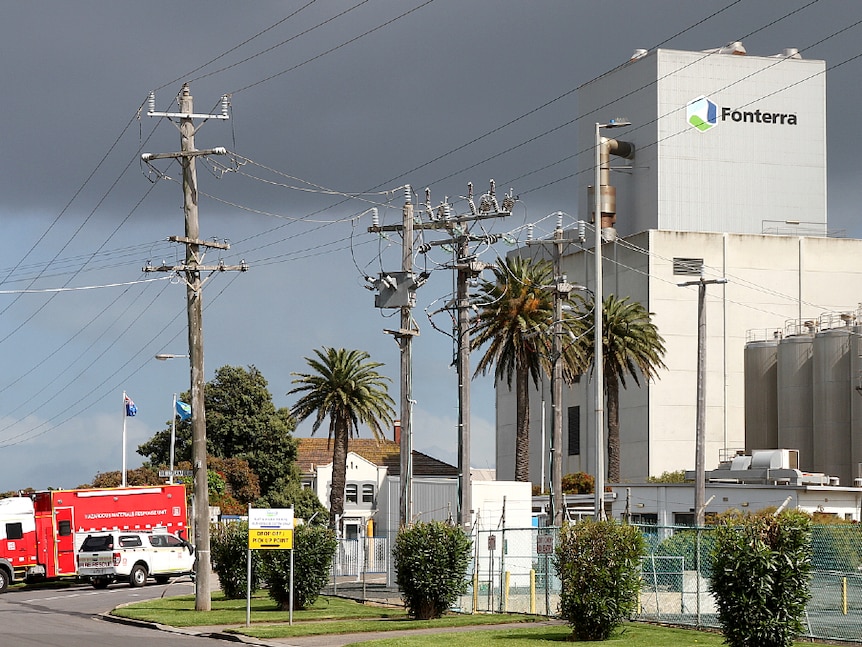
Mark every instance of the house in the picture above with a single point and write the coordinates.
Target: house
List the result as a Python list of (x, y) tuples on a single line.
[(371, 464)]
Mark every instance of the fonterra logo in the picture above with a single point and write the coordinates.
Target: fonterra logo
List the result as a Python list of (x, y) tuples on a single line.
[(703, 114)]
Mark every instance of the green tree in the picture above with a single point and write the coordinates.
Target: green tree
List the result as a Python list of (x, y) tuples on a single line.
[(631, 347), (677, 476), (599, 565), (515, 311), (346, 388), (579, 483), (761, 569), (242, 422)]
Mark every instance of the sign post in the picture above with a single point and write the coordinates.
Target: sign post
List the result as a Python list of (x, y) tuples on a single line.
[(270, 529)]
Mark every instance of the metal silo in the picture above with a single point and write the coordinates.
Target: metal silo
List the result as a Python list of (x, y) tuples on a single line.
[(856, 403), (796, 397), (761, 395), (832, 387)]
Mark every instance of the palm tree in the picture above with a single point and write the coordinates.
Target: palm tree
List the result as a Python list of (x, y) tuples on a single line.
[(347, 389), (631, 346), (514, 314)]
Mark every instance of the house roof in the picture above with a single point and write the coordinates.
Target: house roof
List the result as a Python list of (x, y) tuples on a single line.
[(312, 452)]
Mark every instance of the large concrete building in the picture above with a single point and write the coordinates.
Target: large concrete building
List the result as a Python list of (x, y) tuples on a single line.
[(728, 178)]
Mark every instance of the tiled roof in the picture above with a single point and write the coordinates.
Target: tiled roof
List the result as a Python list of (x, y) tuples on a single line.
[(312, 452)]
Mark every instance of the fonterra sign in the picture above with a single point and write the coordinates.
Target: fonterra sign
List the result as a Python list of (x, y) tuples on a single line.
[(703, 114)]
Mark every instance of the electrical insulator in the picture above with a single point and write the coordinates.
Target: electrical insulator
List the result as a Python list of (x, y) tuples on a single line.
[(375, 219), (225, 104), (530, 231), (406, 194), (582, 230), (559, 221), (152, 101)]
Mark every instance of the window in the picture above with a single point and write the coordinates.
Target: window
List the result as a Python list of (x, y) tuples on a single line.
[(683, 518), (64, 528), (130, 541), (350, 493), (368, 493), (14, 531), (574, 415)]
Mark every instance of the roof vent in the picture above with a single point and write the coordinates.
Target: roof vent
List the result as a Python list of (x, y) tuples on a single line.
[(788, 52), (735, 48), (639, 53)]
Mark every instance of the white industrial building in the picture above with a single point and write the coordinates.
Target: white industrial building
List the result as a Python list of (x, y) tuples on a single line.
[(728, 178)]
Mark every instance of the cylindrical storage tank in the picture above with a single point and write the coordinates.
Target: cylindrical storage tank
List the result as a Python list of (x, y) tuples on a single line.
[(832, 386), (796, 398), (856, 403), (761, 395)]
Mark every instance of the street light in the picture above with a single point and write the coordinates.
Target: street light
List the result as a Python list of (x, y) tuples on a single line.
[(598, 359), (162, 357)]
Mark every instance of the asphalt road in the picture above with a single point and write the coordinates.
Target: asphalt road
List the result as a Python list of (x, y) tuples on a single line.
[(70, 617)]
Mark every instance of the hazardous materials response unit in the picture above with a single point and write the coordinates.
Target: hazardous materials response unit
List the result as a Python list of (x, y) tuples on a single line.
[(40, 535)]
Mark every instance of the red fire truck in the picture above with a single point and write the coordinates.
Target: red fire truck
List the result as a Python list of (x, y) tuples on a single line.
[(39, 535)]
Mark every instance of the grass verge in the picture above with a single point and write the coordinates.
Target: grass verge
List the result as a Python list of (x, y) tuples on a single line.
[(631, 635)]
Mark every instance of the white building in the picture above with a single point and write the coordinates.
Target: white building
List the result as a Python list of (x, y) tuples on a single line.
[(742, 196)]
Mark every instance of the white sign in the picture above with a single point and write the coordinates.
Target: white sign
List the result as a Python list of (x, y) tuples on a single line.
[(545, 544), (270, 519)]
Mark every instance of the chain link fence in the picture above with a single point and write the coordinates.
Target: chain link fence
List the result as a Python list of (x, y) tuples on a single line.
[(513, 572)]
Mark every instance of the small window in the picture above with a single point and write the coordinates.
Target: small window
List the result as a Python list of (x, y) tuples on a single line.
[(97, 543), (130, 541), (14, 531), (683, 518), (368, 493), (157, 541), (350, 493), (574, 415), (64, 528)]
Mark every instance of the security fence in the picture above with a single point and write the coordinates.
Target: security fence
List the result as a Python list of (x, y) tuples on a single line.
[(513, 572)]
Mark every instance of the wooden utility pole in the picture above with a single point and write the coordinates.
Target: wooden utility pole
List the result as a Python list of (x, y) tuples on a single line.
[(191, 271), (562, 288), (700, 423), (467, 268), (405, 342)]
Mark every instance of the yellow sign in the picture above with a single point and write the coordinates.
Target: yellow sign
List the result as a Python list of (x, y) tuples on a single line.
[(271, 539)]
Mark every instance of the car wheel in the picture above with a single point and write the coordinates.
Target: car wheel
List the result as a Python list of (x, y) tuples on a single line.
[(4, 580), (138, 576), (101, 583)]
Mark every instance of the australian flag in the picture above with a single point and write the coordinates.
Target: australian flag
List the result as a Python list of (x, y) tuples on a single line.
[(131, 409)]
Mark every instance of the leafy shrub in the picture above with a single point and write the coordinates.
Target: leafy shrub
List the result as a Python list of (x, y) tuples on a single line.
[(599, 564), (229, 553), (668, 477), (579, 483), (760, 577), (431, 561), (313, 550)]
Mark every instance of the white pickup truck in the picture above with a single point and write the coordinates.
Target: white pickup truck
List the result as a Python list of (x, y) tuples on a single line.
[(134, 556)]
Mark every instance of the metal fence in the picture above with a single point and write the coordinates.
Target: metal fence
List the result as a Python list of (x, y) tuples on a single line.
[(512, 571)]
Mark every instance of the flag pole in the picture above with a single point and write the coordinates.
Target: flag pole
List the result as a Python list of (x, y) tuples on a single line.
[(124, 438), (173, 436)]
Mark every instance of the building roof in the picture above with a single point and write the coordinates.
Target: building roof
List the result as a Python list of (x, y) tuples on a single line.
[(312, 452)]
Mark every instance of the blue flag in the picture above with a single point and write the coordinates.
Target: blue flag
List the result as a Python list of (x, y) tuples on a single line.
[(184, 410), (131, 409)]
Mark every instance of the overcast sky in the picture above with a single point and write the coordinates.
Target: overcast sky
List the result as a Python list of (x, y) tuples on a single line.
[(334, 107)]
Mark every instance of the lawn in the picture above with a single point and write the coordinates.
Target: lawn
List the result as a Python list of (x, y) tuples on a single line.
[(631, 635), (332, 615)]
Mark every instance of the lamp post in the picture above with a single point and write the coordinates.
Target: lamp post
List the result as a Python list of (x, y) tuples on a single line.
[(162, 357), (598, 359)]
